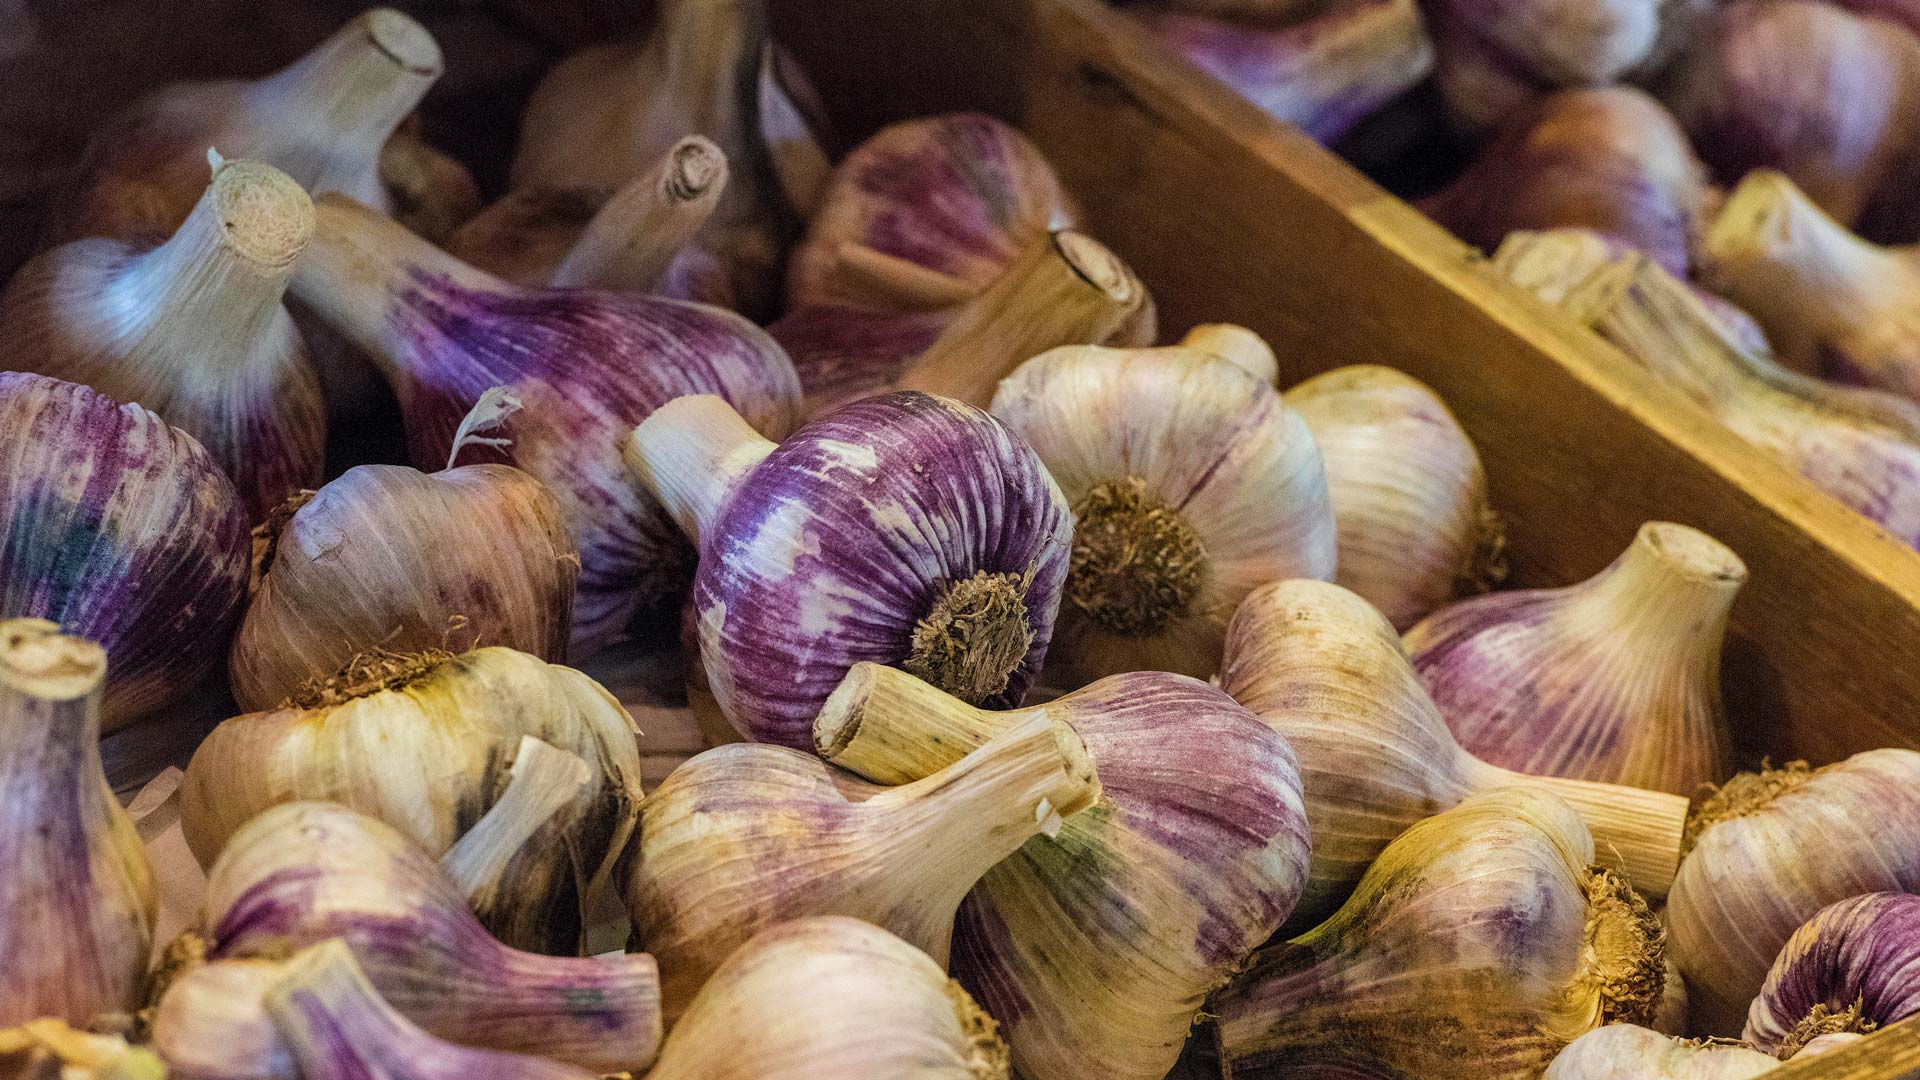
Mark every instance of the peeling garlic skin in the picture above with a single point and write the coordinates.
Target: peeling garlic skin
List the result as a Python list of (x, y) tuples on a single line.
[(124, 531), (1853, 967)]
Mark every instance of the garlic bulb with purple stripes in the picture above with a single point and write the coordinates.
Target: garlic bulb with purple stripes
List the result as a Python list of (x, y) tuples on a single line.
[(122, 530), (1191, 484), (1098, 945), (587, 366), (905, 529), (1853, 967), (1616, 679)]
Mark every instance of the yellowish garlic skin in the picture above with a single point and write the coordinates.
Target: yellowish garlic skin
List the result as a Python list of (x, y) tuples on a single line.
[(1191, 482), (1626, 1052), (1768, 851), (1409, 494), (828, 998), (386, 557), (1616, 679), (1479, 945)]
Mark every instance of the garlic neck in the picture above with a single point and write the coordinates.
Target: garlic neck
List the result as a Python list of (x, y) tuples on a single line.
[(974, 637), (630, 241), (893, 728), (49, 712), (1070, 291), (1641, 308), (691, 453), (330, 112), (1238, 346), (1636, 832), (1666, 598), (1136, 565), (207, 300)]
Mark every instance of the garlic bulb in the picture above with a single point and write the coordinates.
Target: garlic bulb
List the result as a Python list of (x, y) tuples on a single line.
[(193, 329), (1626, 1052), (386, 558), (123, 531), (1853, 967), (1608, 159), (903, 529), (1860, 446), (1326, 669), (424, 743), (1494, 59), (826, 998), (76, 894), (1191, 484), (1323, 72), (1616, 679), (588, 365), (1069, 291), (624, 239), (212, 1024), (1099, 944), (1482, 939), (322, 119), (744, 836), (1830, 301), (1409, 495), (338, 1028), (1763, 858), (304, 872), (606, 113), (1825, 96)]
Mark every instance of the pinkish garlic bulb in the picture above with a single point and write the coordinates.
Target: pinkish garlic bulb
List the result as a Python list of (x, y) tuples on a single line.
[(1853, 967)]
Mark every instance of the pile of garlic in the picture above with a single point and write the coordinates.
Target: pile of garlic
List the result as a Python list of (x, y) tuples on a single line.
[(1077, 705)]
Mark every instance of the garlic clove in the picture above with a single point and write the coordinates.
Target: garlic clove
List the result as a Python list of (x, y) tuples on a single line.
[(828, 997), (384, 558), (744, 836), (338, 1028), (1326, 669), (587, 364), (1323, 71), (192, 328), (1238, 346), (1482, 935), (1626, 1052), (76, 893), (545, 780), (1609, 159), (1616, 679), (1409, 495), (622, 240), (431, 193), (323, 120), (1191, 483), (212, 1024), (1831, 303), (1100, 944), (302, 873), (906, 529), (424, 742), (122, 530), (1853, 967), (1762, 859)]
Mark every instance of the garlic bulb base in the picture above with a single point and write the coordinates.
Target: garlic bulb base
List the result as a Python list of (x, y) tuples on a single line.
[(1746, 793), (975, 637), (1626, 950), (367, 673), (1823, 1020), (1136, 565)]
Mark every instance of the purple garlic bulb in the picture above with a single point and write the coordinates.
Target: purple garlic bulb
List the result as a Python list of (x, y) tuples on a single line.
[(905, 529), (585, 365), (122, 530), (1853, 967)]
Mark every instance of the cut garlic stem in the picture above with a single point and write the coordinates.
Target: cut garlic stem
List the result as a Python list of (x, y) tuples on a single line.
[(635, 235)]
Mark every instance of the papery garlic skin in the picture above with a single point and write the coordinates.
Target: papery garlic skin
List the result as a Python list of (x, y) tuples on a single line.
[(1482, 941), (829, 997), (1626, 1052), (1408, 491), (212, 1024), (76, 893), (1609, 159), (1616, 679), (386, 557), (1853, 967), (1191, 484), (1769, 851), (124, 531), (193, 329), (322, 119), (744, 836), (425, 744), (1099, 944), (1326, 669), (587, 365), (1324, 72), (845, 543), (302, 873)]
